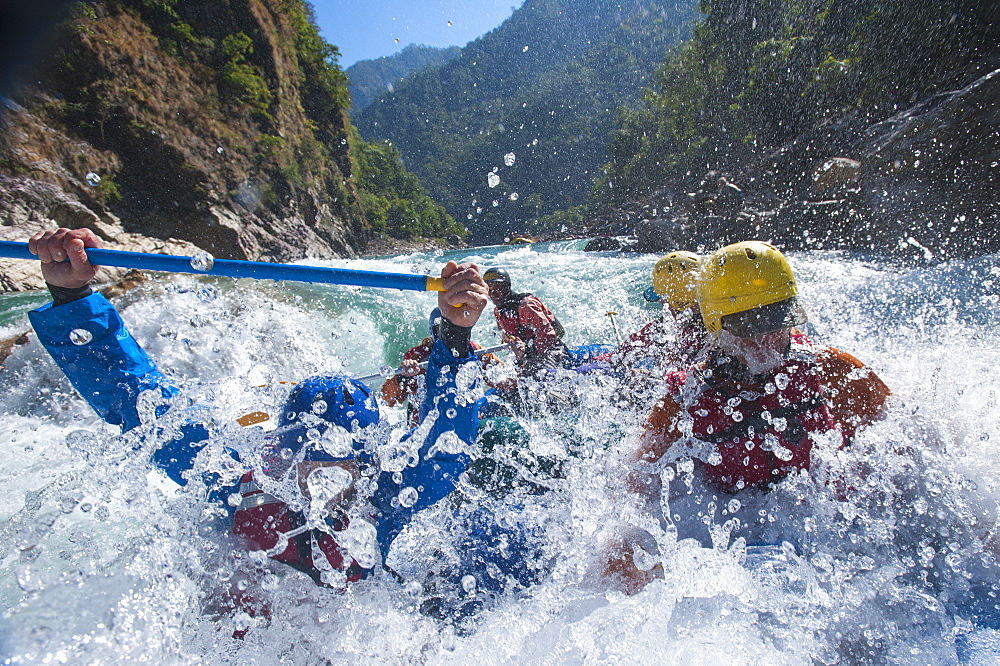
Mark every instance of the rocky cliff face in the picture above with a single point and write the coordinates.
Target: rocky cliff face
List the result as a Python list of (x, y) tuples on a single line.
[(207, 123), (923, 183)]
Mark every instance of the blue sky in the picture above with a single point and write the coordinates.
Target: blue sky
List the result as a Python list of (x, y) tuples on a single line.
[(368, 29)]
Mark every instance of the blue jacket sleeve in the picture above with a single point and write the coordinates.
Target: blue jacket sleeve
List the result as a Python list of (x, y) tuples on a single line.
[(438, 467), (111, 370)]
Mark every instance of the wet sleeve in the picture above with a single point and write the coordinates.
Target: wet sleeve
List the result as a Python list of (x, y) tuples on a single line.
[(534, 315), (89, 342), (448, 429), (110, 370), (855, 393)]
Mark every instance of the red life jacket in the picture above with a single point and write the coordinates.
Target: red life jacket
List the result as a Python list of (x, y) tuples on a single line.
[(760, 427), (263, 519)]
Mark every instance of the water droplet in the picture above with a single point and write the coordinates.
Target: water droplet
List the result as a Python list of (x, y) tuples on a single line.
[(80, 336), (320, 407), (469, 583), (93, 179), (207, 294), (492, 180), (234, 500), (312, 434), (286, 454), (451, 413), (782, 453), (220, 150), (524, 49), (781, 381), (83, 441), (242, 621), (734, 505), (509, 158), (513, 196), (67, 504), (397, 478), (770, 442), (28, 579), (408, 497), (449, 23), (202, 261), (387, 371)]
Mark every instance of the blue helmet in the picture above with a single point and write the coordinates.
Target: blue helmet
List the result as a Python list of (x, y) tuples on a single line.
[(434, 323), (337, 400)]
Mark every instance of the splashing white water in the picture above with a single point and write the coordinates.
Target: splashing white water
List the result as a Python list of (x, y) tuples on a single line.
[(102, 560)]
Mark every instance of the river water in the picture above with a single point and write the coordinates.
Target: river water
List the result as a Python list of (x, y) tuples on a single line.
[(103, 561)]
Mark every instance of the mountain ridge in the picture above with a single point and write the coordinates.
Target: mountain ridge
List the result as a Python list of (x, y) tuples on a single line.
[(544, 86), (370, 78)]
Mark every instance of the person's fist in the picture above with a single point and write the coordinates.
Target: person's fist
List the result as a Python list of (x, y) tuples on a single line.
[(465, 295), (55, 247)]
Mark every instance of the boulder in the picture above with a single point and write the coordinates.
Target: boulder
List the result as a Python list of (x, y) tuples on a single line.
[(603, 244), (837, 172)]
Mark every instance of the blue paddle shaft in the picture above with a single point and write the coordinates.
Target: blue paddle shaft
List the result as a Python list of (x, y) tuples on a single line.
[(243, 269)]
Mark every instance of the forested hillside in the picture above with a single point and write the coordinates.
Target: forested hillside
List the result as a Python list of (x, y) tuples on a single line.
[(846, 104), (371, 78), (517, 127), (222, 123)]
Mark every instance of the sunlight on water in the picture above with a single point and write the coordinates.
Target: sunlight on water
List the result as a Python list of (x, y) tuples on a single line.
[(103, 560)]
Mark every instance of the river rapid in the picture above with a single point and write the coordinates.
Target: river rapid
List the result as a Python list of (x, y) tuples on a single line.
[(103, 560)]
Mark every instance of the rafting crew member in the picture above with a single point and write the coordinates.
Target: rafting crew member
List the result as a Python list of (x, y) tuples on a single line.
[(407, 384), (747, 416), (319, 478), (529, 327), (666, 344)]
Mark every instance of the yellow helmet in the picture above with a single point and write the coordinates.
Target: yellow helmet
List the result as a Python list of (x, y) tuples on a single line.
[(748, 289), (674, 277)]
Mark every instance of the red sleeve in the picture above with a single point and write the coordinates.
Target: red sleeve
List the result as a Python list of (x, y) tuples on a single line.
[(538, 318)]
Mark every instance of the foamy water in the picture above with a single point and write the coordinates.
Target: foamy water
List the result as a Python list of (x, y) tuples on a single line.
[(102, 560)]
